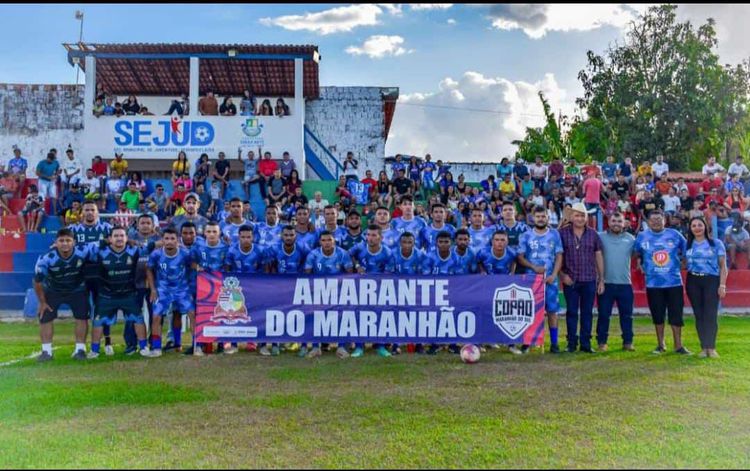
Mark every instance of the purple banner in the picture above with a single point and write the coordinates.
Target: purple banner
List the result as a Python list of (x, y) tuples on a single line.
[(479, 309)]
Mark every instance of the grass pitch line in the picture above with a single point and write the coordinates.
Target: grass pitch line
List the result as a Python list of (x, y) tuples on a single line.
[(30, 357)]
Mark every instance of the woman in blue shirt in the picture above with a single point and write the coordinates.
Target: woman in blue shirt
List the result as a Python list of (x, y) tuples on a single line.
[(706, 282)]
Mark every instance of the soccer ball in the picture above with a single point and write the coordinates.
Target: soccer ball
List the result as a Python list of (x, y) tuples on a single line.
[(470, 353)]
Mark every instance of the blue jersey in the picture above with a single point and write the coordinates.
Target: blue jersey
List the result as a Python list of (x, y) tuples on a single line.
[(480, 239), (62, 275), (434, 264), (287, 262), (238, 261), (192, 274), (199, 221), (702, 258), (171, 271), (346, 240), (378, 262), (117, 270), (429, 236), (427, 169), (146, 245), (307, 241), (411, 265), (660, 257), (540, 249), (514, 233), (231, 230), (209, 257), (415, 226), (391, 239), (497, 266), (466, 263), (85, 234), (267, 236), (336, 263)]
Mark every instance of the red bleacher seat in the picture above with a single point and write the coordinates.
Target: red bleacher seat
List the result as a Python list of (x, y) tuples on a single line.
[(11, 244), (10, 223), (6, 262)]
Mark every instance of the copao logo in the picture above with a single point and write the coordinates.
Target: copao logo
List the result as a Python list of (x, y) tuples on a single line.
[(513, 309), (175, 132)]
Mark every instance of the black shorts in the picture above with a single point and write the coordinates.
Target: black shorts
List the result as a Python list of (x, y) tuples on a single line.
[(666, 302), (77, 300)]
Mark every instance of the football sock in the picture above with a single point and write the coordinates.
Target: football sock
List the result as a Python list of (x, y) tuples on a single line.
[(177, 336), (47, 347), (553, 335), (107, 330), (142, 344), (156, 342), (95, 347), (81, 346)]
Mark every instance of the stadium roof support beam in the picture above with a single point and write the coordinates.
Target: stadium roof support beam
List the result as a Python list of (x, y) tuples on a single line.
[(89, 91), (195, 77), (299, 107), (186, 55)]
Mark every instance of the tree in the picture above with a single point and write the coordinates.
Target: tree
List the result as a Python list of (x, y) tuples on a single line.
[(662, 92), (548, 142)]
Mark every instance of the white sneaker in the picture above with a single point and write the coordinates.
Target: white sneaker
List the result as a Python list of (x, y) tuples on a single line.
[(145, 352), (198, 352), (264, 351), (314, 353), (155, 353), (229, 349), (109, 350), (92, 355), (515, 351), (342, 353)]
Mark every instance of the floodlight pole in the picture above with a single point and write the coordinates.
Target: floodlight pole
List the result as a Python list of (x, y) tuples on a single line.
[(79, 16)]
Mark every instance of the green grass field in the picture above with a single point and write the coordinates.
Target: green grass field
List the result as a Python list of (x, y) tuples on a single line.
[(616, 409)]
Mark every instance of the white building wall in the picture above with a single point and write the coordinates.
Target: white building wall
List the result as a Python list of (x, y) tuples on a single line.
[(350, 119)]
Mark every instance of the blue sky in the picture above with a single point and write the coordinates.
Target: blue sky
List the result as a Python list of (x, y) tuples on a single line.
[(481, 57)]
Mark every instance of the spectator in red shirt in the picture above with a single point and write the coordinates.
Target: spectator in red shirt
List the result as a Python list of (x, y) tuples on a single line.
[(368, 180), (267, 167), (592, 190), (712, 182), (177, 195)]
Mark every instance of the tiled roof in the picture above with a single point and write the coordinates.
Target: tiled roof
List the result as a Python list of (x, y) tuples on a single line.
[(264, 77)]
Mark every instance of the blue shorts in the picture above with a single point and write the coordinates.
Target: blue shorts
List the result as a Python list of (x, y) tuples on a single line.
[(106, 310), (552, 297), (179, 299)]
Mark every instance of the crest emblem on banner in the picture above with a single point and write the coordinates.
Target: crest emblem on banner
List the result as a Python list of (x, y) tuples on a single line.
[(230, 305), (252, 127), (513, 309)]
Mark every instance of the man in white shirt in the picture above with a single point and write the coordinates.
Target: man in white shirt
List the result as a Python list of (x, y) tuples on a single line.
[(738, 168), (317, 202), (538, 173), (671, 202), (659, 167), (72, 169), (712, 168)]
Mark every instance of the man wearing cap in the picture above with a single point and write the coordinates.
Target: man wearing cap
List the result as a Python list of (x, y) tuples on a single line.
[(582, 276), (191, 204)]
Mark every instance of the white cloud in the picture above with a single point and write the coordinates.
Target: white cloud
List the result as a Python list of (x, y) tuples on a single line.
[(334, 20), (537, 19), (451, 21), (731, 27), (379, 46), (393, 8), (493, 112), (430, 6)]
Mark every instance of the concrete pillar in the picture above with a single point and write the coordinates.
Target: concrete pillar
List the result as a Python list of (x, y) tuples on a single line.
[(89, 90), (194, 86), (299, 114)]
